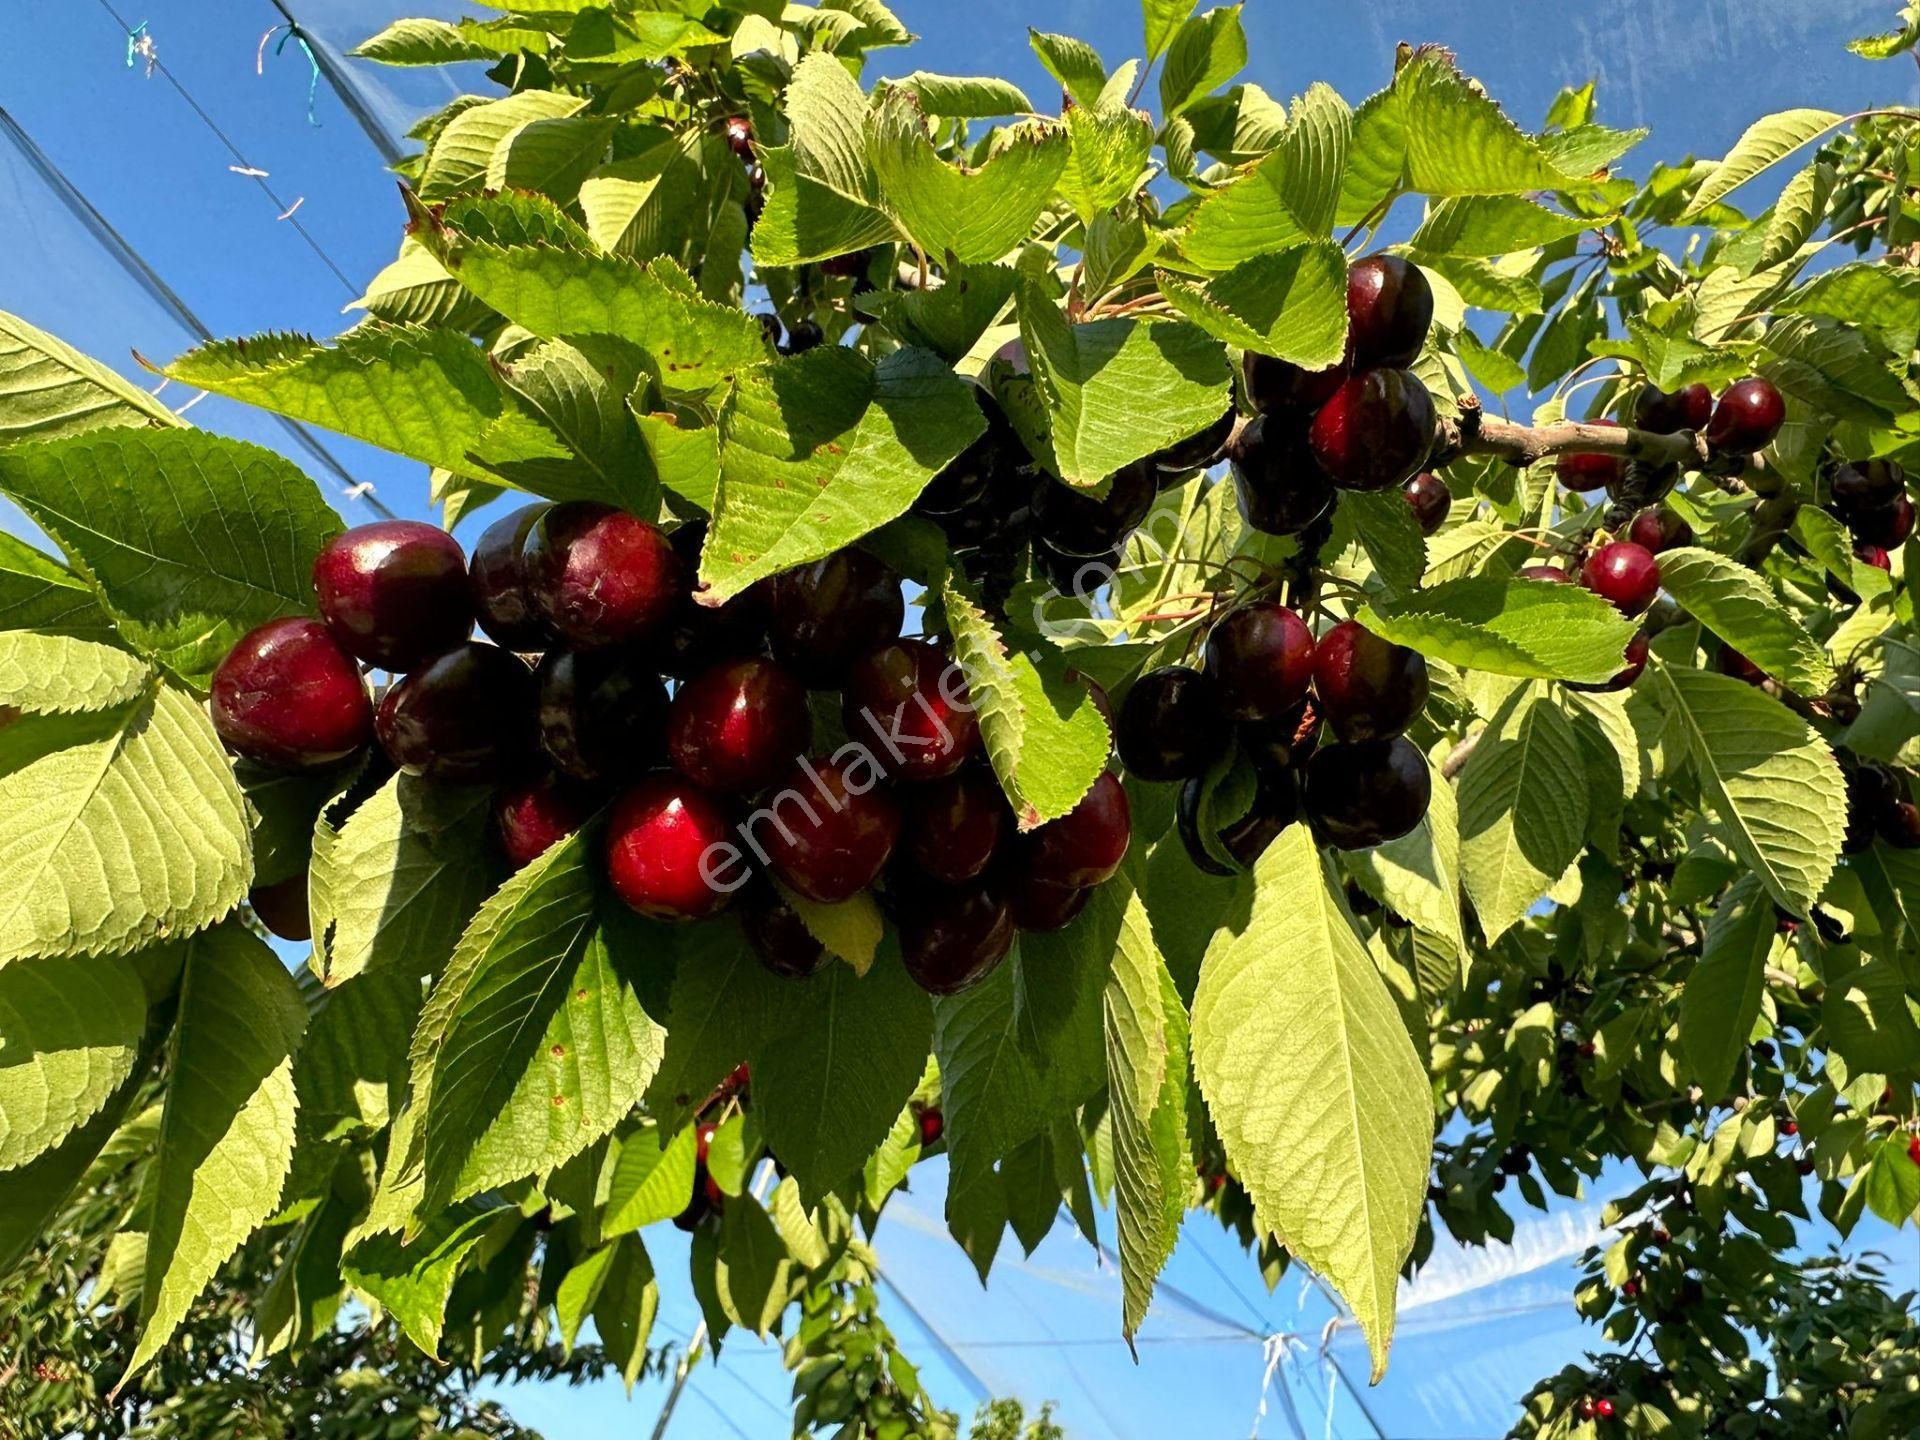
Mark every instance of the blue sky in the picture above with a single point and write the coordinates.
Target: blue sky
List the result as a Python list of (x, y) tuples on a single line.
[(1478, 1327)]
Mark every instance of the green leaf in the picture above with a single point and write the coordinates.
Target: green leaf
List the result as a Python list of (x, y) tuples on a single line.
[(1074, 63), (822, 196), (1108, 159), (1493, 225), (1527, 628), (1766, 142), (1769, 778), (38, 593), (723, 1001), (1418, 876), (71, 1032), (33, 1194), (755, 1268), (1796, 215), (1287, 199), (507, 980), (823, 448), (117, 828), (1046, 738), (1838, 369), (832, 1075), (1377, 158), (192, 538), (436, 42), (1721, 997), (1146, 1044), (463, 152), (1492, 368), (1740, 607), (226, 1142), (413, 1281), (1314, 1085), (1208, 50), (47, 674), (974, 214), (1091, 378), (403, 876), (951, 319), (1872, 294), (649, 1183), (964, 97), (416, 289), (49, 390), (1459, 142), (1162, 20), (550, 156), (1869, 1019), (1292, 304), (851, 930), (1387, 530), (624, 1311)]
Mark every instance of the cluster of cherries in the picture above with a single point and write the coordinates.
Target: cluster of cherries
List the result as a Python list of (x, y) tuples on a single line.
[(1879, 806), (1270, 685), (690, 722), (1870, 498)]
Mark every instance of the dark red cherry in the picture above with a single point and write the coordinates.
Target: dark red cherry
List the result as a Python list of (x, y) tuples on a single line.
[(1198, 450), (1081, 575), (933, 1125), (778, 934), (830, 828), (1867, 485), (1358, 796), (288, 697), (1900, 826), (464, 717), (1668, 412), (908, 701), (1873, 555), (1261, 658), (600, 576), (667, 854), (602, 713), (739, 726), (1546, 574), (1430, 498), (1657, 528), (1041, 908), (1276, 805), (1729, 661), (1287, 742), (954, 826), (498, 579), (1280, 386), (825, 615), (1873, 790), (1173, 724), (739, 132), (532, 816), (1586, 473), (964, 481), (1635, 656), (1887, 527), (394, 593), (1749, 414), (284, 908), (1279, 486), (1376, 432), (1086, 845), (1368, 688), (953, 937), (803, 335), (1078, 523), (1623, 574), (1389, 310), (695, 635)]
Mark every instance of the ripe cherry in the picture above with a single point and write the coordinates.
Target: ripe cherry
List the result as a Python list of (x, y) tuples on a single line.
[(1279, 486), (778, 935), (1040, 907), (1603, 1407), (825, 615), (1389, 310), (739, 726), (1899, 826), (1585, 1408), (1790, 1128), (1546, 574), (283, 907), (1873, 555), (1173, 724), (1366, 794), (1623, 574), (1077, 523), (498, 579), (1261, 659), (1887, 527), (964, 481), (909, 702), (1749, 414), (1280, 386), (1086, 845), (1657, 528), (394, 593), (1584, 473), (464, 717), (1867, 485), (1913, 1149), (1375, 432), (1081, 575), (1369, 688), (658, 841), (832, 830), (739, 132), (932, 1126), (1276, 805), (600, 576), (1635, 656), (1198, 450), (601, 713), (953, 937), (532, 816), (695, 635), (1430, 498), (1668, 412), (287, 696), (954, 826)]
